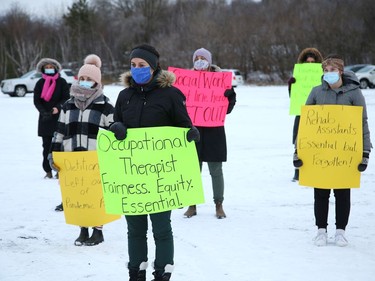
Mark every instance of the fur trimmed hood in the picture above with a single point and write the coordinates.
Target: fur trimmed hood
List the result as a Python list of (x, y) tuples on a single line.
[(164, 79), (310, 52), (45, 61)]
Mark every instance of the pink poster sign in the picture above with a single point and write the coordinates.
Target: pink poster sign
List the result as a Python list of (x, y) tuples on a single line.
[(205, 101)]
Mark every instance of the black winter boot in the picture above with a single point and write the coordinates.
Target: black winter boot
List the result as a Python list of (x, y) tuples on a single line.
[(137, 275), (83, 236), (59, 208), (164, 277), (96, 238)]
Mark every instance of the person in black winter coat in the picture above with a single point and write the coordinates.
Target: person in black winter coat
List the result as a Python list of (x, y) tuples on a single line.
[(150, 100), (307, 55), (50, 92), (212, 147)]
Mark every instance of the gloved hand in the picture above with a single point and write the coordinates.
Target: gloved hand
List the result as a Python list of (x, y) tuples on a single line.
[(363, 165), (296, 161), (119, 130), (46, 115), (228, 93), (53, 166), (291, 80), (193, 135)]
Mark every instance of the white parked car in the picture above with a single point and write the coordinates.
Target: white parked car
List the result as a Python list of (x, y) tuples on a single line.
[(19, 87), (237, 78), (366, 76)]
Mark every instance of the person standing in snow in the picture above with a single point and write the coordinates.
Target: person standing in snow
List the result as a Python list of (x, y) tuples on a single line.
[(50, 92), (81, 116), (150, 100), (308, 55), (212, 147), (338, 87)]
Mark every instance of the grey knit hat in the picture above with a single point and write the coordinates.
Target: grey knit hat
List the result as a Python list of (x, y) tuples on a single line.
[(44, 61), (203, 53)]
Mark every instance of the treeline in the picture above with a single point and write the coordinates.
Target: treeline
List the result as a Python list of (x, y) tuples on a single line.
[(262, 38)]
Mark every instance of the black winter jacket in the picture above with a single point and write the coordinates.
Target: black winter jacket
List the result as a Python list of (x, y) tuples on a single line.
[(156, 104), (47, 123), (212, 146)]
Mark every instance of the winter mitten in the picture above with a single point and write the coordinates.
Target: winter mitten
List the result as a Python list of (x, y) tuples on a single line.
[(291, 80), (363, 165), (53, 166), (228, 93), (296, 161), (46, 115), (193, 135), (119, 130)]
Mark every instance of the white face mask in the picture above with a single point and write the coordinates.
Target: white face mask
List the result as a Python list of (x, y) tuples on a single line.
[(201, 64), (49, 71)]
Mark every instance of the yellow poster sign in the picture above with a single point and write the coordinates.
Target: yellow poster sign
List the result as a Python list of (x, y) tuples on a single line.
[(330, 145), (308, 75), (81, 188), (151, 171)]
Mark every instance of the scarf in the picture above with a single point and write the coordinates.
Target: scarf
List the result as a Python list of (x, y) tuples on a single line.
[(83, 97), (49, 86)]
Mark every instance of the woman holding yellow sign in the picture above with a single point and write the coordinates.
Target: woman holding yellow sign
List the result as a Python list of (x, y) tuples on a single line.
[(80, 119), (337, 88), (150, 100)]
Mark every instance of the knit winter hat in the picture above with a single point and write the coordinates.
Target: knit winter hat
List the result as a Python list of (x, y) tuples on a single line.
[(203, 53), (91, 68), (335, 61), (147, 53), (43, 62)]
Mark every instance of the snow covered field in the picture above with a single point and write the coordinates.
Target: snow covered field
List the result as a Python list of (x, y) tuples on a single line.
[(267, 235)]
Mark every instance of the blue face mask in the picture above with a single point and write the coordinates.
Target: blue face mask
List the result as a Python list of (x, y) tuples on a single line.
[(141, 75), (49, 71), (86, 84), (331, 77)]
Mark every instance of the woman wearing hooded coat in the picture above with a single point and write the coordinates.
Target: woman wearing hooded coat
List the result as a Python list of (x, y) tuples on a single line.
[(150, 100), (308, 55), (341, 88), (81, 116), (212, 147), (50, 92)]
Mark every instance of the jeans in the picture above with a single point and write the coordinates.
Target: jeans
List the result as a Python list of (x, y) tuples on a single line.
[(46, 149), (216, 172), (137, 240)]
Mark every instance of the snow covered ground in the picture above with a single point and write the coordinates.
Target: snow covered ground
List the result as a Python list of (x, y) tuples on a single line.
[(267, 235)]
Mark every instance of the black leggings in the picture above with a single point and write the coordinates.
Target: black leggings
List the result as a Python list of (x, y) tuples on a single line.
[(321, 205), (46, 149)]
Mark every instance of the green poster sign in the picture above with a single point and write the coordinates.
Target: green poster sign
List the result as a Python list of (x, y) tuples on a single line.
[(153, 170), (308, 75)]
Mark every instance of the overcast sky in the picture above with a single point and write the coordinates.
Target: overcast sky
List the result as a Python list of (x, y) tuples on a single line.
[(47, 8)]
